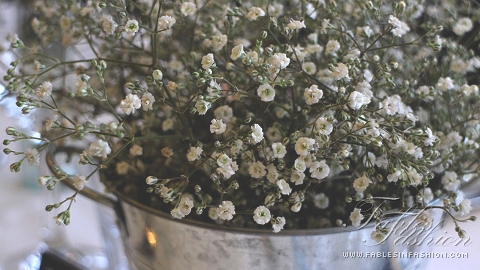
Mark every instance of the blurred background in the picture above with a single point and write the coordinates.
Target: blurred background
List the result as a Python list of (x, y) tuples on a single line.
[(25, 227)]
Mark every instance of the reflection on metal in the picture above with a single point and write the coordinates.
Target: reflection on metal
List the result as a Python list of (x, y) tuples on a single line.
[(151, 237)]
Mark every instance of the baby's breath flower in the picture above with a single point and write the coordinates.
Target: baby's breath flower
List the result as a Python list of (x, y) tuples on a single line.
[(136, 150), (332, 46), (266, 92), (79, 181), (217, 126), (108, 25), (357, 100), (361, 183), (463, 26), (377, 235), (257, 133), (207, 61), (321, 201), (147, 101), (157, 75), (399, 28), (218, 42), (237, 52), (43, 180), (130, 104), (202, 106), (194, 153), (122, 168), (44, 90), (261, 215), (279, 150), (444, 84), (32, 156), (131, 27), (188, 8), (284, 187), (165, 22), (304, 145), (313, 94), (99, 148), (297, 177), (450, 181), (465, 207), (254, 13), (257, 170), (151, 180), (356, 217), (294, 25), (319, 169), (278, 224), (226, 210)]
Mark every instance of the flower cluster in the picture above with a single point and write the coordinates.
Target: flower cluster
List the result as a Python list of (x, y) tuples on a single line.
[(292, 111)]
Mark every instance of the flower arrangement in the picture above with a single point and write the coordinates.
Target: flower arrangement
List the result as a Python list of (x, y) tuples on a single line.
[(289, 113)]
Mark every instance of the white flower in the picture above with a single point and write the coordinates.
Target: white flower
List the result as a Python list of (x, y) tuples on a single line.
[(147, 101), (165, 22), (463, 26), (312, 95), (207, 61), (266, 92), (444, 84), (217, 126), (151, 180), (131, 27), (357, 100), (223, 160), (297, 177), (257, 133), (279, 150), (237, 52), (304, 145), (261, 215), (356, 217), (186, 204), (450, 181), (332, 46), (426, 195), (122, 168), (44, 90), (136, 150), (226, 210), (254, 13), (300, 165), (323, 126), (79, 181), (188, 8), (225, 113), (340, 71), (394, 176), (194, 153), (319, 169), (130, 104), (272, 173), (219, 41), (321, 201), (414, 177), (309, 68), (278, 223), (109, 25), (99, 148), (464, 207), (157, 75), (378, 236), (296, 25), (257, 170), (399, 28), (43, 180), (32, 156), (202, 106), (361, 183), (284, 187), (176, 213)]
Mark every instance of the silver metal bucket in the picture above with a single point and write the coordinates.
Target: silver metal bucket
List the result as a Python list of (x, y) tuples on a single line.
[(153, 240)]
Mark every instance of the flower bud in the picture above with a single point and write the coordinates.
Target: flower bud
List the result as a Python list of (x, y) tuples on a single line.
[(151, 180)]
